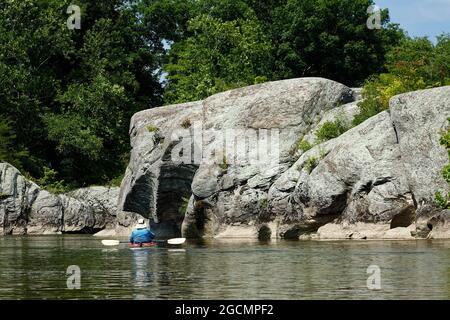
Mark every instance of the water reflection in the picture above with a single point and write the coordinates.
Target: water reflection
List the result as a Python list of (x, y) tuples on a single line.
[(141, 276), (34, 267)]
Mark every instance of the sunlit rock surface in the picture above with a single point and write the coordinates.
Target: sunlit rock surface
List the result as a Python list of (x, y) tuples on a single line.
[(25, 208), (382, 174)]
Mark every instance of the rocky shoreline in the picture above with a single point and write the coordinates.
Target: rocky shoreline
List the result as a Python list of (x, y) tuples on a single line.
[(375, 181), (25, 208)]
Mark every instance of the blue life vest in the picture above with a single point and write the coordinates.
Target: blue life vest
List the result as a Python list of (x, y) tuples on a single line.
[(142, 236)]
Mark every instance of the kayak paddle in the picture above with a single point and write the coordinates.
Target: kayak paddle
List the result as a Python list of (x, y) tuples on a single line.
[(118, 242)]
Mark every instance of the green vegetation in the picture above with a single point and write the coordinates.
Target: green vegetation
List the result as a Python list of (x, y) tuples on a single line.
[(151, 128), (67, 96), (441, 200), (117, 181), (304, 145), (224, 44), (329, 130), (320, 37), (412, 65), (50, 182), (311, 163), (183, 207), (219, 55), (224, 165), (263, 203), (260, 79), (332, 129)]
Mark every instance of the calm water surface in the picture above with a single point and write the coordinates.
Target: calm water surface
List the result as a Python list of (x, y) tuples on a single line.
[(34, 267)]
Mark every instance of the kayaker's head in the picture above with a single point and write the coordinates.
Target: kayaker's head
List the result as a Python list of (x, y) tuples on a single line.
[(141, 224)]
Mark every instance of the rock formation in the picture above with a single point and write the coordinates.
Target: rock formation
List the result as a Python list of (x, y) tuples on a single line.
[(25, 208), (377, 180), (231, 166), (154, 185)]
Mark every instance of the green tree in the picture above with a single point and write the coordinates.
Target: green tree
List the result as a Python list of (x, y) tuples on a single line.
[(115, 80), (70, 93), (219, 55), (330, 38), (414, 64), (9, 150), (34, 41), (332, 129), (166, 20), (441, 200)]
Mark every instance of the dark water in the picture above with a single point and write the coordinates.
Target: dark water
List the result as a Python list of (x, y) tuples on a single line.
[(35, 268)]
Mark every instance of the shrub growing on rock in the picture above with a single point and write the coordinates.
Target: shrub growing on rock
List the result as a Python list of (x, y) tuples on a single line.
[(304, 145), (151, 128), (311, 163), (224, 165), (183, 207), (441, 200), (49, 181), (332, 129), (413, 65)]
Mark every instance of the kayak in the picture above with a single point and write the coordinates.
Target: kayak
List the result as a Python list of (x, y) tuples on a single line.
[(174, 241), (141, 245)]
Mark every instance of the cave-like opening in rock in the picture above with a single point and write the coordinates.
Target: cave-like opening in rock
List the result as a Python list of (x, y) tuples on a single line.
[(174, 187), (200, 217), (141, 199), (264, 233), (404, 218)]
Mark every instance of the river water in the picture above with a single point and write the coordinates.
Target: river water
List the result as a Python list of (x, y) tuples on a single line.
[(35, 267)]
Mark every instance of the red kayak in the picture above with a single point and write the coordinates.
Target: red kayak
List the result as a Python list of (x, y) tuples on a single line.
[(141, 245)]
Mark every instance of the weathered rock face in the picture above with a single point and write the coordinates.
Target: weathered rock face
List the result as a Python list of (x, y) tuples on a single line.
[(274, 114), (27, 209), (377, 180), (356, 177), (419, 117), (378, 173), (154, 185), (237, 194), (103, 201)]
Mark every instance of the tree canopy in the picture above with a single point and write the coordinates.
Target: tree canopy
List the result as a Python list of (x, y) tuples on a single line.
[(230, 43), (67, 95), (413, 64)]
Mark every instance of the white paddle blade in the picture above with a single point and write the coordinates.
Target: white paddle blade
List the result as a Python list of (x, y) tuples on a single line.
[(176, 241), (110, 242)]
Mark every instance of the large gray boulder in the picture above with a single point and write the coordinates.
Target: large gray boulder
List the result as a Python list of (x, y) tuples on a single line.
[(154, 185), (419, 118), (102, 201), (25, 208), (377, 180), (356, 177), (383, 172), (258, 117)]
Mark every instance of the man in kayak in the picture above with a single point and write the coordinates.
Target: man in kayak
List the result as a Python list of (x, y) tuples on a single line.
[(141, 233)]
